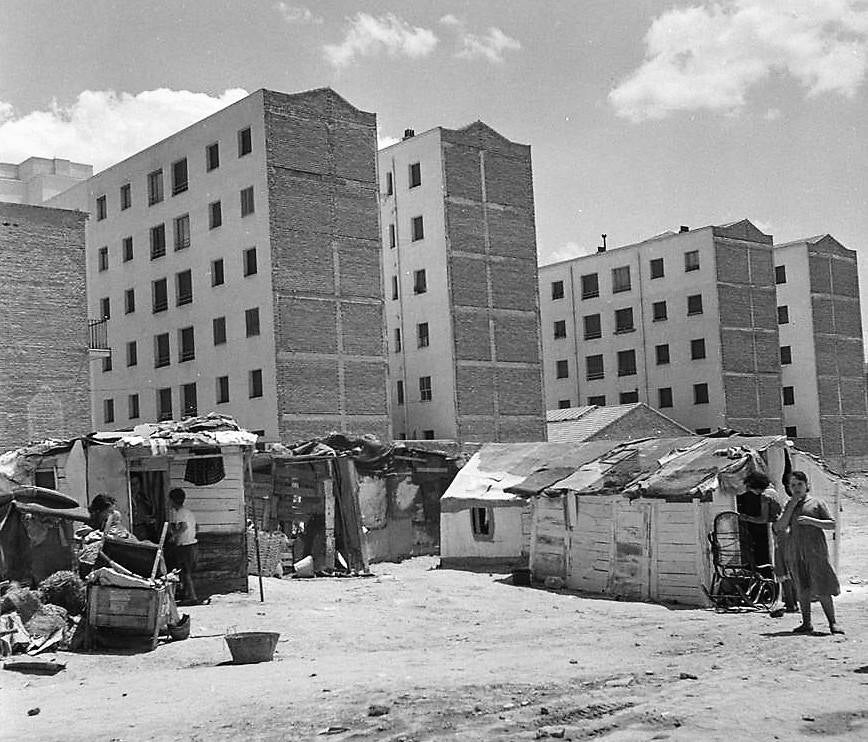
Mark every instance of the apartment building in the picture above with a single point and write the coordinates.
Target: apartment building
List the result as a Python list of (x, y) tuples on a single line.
[(460, 268), (685, 322), (38, 179), (237, 266), (44, 383), (822, 352)]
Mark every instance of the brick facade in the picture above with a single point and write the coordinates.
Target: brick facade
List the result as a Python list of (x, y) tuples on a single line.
[(326, 269), (491, 247), (44, 364)]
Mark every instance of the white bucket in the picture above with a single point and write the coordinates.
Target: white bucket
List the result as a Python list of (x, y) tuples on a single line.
[(304, 568)]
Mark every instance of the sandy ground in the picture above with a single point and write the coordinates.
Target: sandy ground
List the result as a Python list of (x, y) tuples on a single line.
[(463, 656)]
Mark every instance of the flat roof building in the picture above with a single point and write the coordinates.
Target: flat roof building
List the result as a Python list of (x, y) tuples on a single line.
[(38, 179), (460, 268), (238, 265)]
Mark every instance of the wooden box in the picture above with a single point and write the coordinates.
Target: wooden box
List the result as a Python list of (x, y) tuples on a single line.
[(139, 612)]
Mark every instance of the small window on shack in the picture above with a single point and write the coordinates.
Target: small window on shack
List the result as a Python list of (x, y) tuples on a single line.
[(45, 478), (482, 522)]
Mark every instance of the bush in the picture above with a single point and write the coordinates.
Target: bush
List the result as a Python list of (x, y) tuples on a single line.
[(65, 589)]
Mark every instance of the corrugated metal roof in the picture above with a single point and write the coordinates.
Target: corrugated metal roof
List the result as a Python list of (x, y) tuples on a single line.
[(581, 423), (567, 413)]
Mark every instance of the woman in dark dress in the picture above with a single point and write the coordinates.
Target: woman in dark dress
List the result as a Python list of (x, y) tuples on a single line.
[(804, 519)]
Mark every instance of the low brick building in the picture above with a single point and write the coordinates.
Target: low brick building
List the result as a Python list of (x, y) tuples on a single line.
[(44, 374)]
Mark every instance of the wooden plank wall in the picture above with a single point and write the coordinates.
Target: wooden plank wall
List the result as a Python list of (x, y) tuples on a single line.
[(221, 564), (591, 543), (548, 552), (675, 552), (219, 507)]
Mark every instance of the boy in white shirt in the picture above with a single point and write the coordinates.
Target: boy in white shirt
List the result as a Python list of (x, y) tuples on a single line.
[(182, 535)]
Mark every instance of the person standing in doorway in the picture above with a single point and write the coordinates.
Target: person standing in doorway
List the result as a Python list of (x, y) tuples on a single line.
[(182, 534), (804, 519)]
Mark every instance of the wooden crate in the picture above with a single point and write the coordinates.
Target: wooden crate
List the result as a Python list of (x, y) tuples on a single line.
[(132, 611)]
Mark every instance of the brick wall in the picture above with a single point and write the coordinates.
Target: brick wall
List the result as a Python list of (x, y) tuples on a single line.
[(491, 243), (44, 364), (326, 265)]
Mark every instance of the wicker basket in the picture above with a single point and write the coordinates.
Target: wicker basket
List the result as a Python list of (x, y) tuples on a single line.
[(271, 547)]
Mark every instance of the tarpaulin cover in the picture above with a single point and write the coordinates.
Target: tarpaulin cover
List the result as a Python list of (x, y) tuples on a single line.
[(539, 480)]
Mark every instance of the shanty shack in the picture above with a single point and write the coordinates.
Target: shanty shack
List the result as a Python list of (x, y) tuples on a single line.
[(633, 522), (485, 515)]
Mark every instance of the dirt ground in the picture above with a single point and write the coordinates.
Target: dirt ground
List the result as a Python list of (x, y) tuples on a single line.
[(462, 656)]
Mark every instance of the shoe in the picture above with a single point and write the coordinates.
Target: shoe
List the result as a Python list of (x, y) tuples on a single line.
[(804, 628), (835, 629), (776, 613)]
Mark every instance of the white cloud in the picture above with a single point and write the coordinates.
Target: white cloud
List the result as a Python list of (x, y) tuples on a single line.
[(710, 56), (384, 140), (449, 20), (772, 114), (103, 127), (567, 251), (368, 35), (298, 14), (490, 46)]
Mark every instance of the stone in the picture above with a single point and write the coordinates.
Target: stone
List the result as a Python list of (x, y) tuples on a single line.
[(376, 709)]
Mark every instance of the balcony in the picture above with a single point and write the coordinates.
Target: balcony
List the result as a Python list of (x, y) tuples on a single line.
[(98, 346)]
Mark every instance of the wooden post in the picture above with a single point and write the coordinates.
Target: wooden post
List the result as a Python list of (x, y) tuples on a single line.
[(258, 557), (329, 499)]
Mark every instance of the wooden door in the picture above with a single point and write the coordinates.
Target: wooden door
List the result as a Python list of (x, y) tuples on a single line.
[(630, 575)]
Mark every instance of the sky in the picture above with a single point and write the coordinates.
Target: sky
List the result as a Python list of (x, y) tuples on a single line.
[(642, 115)]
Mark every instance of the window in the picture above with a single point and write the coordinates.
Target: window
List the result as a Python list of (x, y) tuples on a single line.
[(217, 272), (251, 321), (425, 389), (186, 344), (658, 310), (694, 304), (427, 435), (215, 215), (557, 290), (105, 308), (691, 261), (155, 187), (780, 274), (420, 282), (657, 268), (662, 352), (620, 279), (188, 397), (624, 320), (103, 259), (45, 478), (481, 522), (183, 288), (664, 397), (132, 353), (564, 404), (128, 249), (164, 404), (245, 142), (783, 315), (218, 330), (417, 229), (107, 362), (179, 177), (626, 362), (593, 326), (254, 384), (158, 241), (562, 369), (390, 186), (129, 301), (415, 175), (159, 295), (791, 431), (560, 329), (100, 208), (786, 355), (594, 367), (182, 232), (397, 339), (590, 286), (247, 206), (422, 338), (393, 239), (789, 396), (222, 389), (126, 196), (394, 287), (161, 350), (212, 157), (400, 392), (133, 406), (628, 397), (250, 268), (108, 410), (697, 349), (700, 394), (598, 400)]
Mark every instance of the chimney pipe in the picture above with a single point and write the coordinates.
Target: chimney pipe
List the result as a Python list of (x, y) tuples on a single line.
[(602, 248), (409, 133)]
